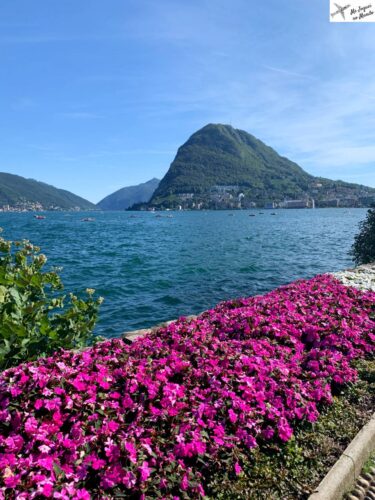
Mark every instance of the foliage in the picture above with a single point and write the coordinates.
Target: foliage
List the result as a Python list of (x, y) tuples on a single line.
[(165, 416), (35, 319), (369, 465), (363, 249), (219, 155), (16, 189)]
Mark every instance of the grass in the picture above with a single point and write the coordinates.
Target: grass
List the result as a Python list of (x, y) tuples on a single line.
[(369, 465)]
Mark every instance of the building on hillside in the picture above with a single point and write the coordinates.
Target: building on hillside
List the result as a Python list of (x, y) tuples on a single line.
[(298, 203), (224, 189), (186, 196), (270, 206), (329, 203), (367, 201)]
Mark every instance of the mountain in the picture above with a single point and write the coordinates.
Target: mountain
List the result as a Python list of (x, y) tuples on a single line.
[(21, 193), (128, 196), (222, 167)]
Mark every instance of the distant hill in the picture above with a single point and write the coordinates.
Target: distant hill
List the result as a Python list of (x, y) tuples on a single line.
[(16, 191), (128, 196), (222, 167)]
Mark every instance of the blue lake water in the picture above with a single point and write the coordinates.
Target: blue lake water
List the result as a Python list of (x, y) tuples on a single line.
[(150, 268)]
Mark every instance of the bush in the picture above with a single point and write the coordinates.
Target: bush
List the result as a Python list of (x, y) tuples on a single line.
[(363, 249), (34, 317)]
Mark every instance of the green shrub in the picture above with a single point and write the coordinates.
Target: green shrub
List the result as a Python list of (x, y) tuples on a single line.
[(35, 318), (363, 249)]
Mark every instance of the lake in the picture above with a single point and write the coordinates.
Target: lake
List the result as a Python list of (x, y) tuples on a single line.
[(151, 267)]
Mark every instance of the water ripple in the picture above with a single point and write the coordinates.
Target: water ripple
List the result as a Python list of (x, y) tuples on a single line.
[(152, 269)]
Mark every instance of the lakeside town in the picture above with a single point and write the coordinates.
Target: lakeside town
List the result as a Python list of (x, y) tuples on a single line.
[(232, 198), (223, 199), (30, 206)]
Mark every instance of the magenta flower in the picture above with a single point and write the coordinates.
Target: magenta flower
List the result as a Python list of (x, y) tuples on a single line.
[(156, 415), (232, 416), (82, 494), (129, 480), (285, 431), (131, 449), (184, 485), (97, 463), (47, 490), (12, 481), (237, 468), (145, 471)]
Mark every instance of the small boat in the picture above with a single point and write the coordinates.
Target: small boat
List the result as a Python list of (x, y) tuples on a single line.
[(88, 219), (261, 212), (273, 213), (251, 215), (39, 217)]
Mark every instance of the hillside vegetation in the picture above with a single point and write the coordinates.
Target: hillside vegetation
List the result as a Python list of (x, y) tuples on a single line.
[(219, 162), (127, 196), (18, 191)]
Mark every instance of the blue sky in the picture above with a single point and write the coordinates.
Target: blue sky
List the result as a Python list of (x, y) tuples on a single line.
[(96, 95)]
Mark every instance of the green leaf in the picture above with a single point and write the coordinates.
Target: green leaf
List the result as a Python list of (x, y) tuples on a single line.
[(34, 319)]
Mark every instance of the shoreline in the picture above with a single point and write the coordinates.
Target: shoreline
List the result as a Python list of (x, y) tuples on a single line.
[(361, 277)]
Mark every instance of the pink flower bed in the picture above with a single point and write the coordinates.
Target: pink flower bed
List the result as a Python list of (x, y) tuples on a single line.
[(158, 418)]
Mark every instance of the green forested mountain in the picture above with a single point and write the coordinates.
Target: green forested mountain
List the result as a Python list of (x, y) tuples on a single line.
[(220, 166), (127, 196), (16, 191)]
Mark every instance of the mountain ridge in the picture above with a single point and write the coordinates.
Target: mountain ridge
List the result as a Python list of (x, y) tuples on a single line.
[(218, 162), (17, 192), (127, 196)]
